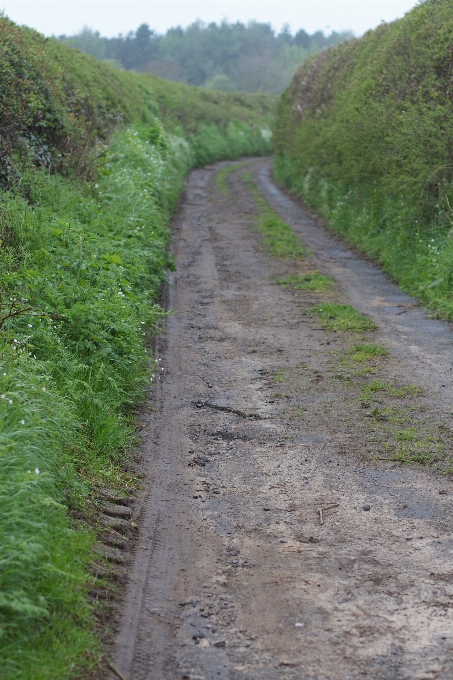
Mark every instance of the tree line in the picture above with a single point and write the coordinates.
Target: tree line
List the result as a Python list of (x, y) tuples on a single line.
[(236, 57)]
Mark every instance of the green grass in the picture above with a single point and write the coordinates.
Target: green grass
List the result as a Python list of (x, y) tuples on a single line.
[(279, 239), (336, 317), (313, 281), (222, 176), (366, 352), (408, 435), (372, 388), (281, 376)]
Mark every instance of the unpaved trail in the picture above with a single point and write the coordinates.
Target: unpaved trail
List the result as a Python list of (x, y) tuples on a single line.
[(260, 418)]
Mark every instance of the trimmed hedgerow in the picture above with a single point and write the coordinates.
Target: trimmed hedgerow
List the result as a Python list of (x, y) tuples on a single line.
[(59, 105), (364, 134)]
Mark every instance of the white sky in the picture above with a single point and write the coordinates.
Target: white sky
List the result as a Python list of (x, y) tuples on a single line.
[(111, 17)]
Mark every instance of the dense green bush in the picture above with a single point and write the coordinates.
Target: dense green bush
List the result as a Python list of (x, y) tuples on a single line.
[(365, 134)]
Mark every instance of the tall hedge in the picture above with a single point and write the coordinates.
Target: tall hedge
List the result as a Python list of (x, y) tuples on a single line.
[(364, 133)]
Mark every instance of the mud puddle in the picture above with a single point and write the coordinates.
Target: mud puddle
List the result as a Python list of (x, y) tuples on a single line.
[(265, 423)]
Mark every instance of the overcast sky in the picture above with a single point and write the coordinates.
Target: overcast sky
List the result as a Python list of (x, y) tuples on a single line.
[(111, 17)]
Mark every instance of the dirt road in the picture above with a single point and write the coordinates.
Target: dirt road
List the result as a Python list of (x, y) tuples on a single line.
[(261, 418)]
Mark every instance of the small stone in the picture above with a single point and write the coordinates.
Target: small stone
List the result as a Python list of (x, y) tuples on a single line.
[(367, 507), (266, 508), (220, 643), (408, 538), (300, 625)]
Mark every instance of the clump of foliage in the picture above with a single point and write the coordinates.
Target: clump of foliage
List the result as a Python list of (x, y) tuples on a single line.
[(364, 134), (338, 317), (226, 57)]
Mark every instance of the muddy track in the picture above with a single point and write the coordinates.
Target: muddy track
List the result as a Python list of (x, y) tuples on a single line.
[(262, 418)]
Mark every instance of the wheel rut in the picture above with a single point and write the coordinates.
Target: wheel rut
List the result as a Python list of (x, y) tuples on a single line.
[(261, 417)]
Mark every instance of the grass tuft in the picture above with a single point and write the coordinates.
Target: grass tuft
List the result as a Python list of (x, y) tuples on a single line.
[(367, 352), (338, 317), (313, 281), (401, 392)]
